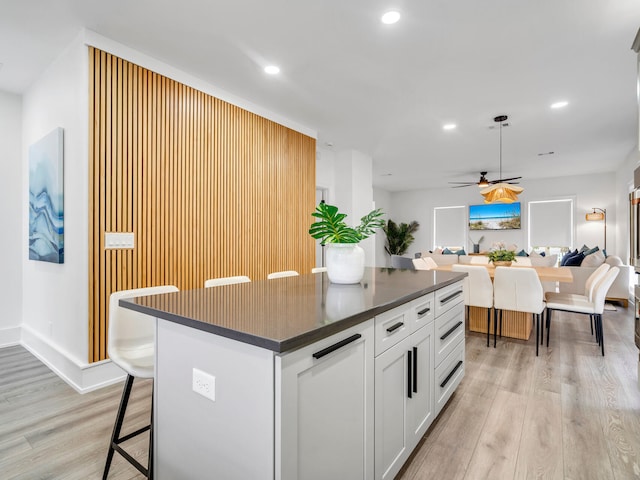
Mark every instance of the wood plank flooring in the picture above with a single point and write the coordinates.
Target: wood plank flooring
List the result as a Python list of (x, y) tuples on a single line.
[(568, 414)]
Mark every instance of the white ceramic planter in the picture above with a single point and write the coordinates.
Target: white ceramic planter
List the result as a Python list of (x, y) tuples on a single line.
[(345, 262)]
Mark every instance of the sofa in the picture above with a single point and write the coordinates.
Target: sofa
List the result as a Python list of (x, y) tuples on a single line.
[(618, 292)]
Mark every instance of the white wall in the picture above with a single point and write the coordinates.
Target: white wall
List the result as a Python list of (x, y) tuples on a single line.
[(382, 199), (588, 190), (11, 197)]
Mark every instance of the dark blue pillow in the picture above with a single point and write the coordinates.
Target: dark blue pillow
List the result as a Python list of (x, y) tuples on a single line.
[(446, 251), (575, 260), (567, 256), (522, 253), (542, 254)]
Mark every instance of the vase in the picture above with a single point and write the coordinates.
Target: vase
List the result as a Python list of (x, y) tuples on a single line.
[(345, 262), (502, 263)]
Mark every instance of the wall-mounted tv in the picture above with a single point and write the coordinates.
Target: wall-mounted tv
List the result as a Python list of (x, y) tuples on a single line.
[(494, 216)]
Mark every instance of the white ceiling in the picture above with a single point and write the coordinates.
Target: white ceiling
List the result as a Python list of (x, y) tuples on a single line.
[(387, 90)]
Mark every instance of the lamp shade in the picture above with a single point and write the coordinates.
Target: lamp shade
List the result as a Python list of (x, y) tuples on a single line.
[(594, 216), (501, 193)]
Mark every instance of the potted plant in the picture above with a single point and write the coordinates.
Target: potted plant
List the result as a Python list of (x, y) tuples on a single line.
[(399, 237), (345, 258), (502, 257)]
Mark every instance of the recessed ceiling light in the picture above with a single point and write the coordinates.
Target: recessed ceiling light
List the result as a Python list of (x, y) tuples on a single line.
[(272, 69), (559, 104), (390, 17), (386, 174), (449, 126)]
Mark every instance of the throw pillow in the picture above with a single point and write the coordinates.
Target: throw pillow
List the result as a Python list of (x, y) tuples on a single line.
[(583, 249), (461, 252), (533, 253), (593, 260), (446, 251), (437, 251), (575, 260), (522, 253), (567, 256), (590, 251)]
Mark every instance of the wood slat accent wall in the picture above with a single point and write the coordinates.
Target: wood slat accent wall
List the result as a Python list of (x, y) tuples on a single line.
[(208, 189)]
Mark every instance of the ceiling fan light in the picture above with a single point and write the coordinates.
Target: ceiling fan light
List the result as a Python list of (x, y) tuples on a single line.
[(501, 193), (483, 183)]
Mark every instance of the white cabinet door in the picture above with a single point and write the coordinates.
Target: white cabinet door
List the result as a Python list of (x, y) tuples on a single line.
[(324, 408), (421, 403), (392, 394)]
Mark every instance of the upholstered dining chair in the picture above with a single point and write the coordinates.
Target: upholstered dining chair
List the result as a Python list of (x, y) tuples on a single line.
[(318, 269), (285, 273), (131, 346), (519, 290), (589, 287), (424, 263), (479, 260), (521, 262), (217, 282), (593, 308), (477, 288)]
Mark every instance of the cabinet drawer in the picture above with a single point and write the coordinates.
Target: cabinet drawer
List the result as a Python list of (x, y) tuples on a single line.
[(449, 330), (392, 327), (449, 375), (422, 312), (448, 297)]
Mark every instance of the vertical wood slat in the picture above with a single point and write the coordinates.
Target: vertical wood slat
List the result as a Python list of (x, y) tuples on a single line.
[(208, 189)]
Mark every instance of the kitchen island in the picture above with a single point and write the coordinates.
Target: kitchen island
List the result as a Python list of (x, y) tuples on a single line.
[(299, 378)]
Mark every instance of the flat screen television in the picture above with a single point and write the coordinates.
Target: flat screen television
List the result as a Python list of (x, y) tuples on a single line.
[(494, 216)]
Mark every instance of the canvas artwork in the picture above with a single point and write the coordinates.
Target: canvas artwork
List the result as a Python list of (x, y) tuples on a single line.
[(46, 195)]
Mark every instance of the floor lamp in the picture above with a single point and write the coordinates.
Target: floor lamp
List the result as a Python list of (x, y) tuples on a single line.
[(597, 215)]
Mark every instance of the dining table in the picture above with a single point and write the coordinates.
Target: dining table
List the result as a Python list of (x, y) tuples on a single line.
[(514, 324)]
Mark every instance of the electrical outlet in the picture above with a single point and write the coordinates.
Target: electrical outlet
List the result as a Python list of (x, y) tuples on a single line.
[(204, 384)]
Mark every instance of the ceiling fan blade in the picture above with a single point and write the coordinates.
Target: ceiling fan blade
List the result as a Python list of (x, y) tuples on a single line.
[(461, 186), (503, 180), (463, 183)]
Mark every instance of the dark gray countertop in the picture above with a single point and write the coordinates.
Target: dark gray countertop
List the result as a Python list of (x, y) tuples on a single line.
[(288, 313)]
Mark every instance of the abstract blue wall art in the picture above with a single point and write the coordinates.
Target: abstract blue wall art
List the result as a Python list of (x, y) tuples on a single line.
[(46, 199)]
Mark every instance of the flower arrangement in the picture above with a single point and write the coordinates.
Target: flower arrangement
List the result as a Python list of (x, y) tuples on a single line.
[(501, 255)]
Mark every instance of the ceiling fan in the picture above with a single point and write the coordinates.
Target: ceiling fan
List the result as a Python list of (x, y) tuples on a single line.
[(484, 182)]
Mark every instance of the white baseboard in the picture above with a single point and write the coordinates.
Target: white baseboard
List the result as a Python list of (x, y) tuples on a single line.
[(9, 336), (83, 377)]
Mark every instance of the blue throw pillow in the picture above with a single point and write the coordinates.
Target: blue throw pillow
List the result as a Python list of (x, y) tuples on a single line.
[(522, 253), (446, 251), (566, 257), (591, 250), (583, 249), (542, 254), (461, 252), (575, 260)]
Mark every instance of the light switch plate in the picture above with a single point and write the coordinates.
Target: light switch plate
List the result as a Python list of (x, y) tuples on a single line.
[(118, 240)]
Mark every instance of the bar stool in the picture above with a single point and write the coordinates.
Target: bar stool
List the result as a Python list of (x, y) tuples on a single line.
[(131, 346), (286, 273), (217, 282)]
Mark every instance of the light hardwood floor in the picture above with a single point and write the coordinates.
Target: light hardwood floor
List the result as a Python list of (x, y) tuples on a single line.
[(568, 414)]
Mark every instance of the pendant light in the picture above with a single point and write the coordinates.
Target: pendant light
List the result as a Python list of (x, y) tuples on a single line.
[(501, 192)]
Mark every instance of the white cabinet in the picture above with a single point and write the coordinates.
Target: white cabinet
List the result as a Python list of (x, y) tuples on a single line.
[(404, 397), (324, 408)]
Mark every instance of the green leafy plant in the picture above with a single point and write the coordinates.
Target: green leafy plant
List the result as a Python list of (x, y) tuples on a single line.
[(331, 228), (399, 237), (502, 255)]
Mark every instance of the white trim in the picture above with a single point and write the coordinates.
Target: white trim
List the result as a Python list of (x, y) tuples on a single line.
[(96, 40), (81, 376)]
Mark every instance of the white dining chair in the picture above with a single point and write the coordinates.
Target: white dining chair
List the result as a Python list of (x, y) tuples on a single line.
[(285, 273), (479, 260), (589, 288), (477, 288), (217, 282), (518, 290), (131, 346), (521, 262), (318, 269), (424, 263), (593, 308)]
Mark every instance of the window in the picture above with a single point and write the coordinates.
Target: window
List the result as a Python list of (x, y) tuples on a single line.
[(551, 226), (449, 227)]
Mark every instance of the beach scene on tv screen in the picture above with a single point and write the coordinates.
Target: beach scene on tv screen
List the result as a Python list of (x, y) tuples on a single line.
[(494, 216)]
